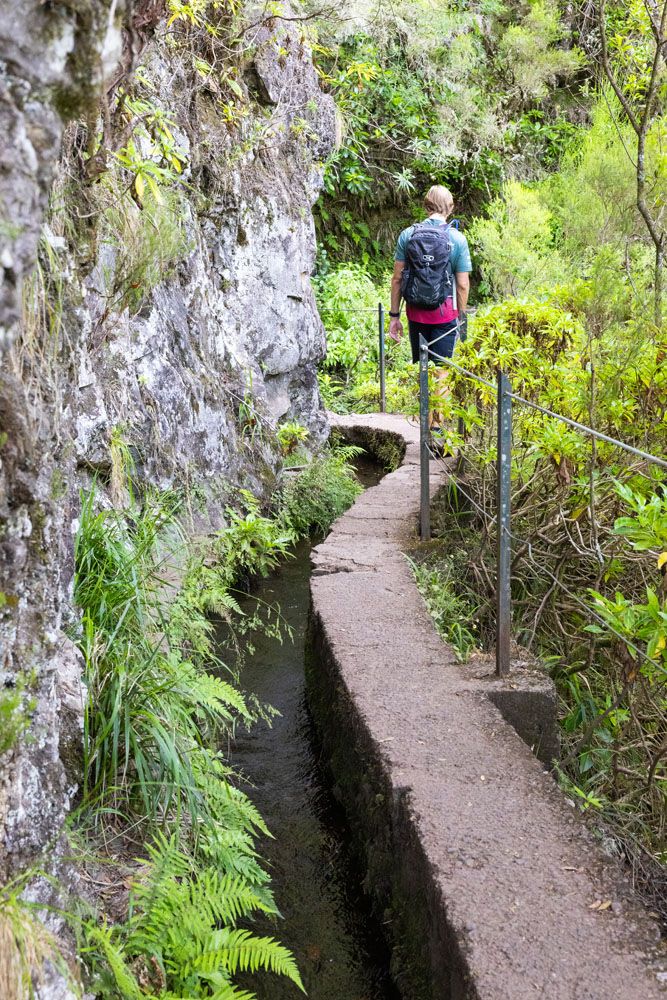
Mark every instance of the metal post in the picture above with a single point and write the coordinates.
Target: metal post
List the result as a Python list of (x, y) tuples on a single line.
[(463, 336), (383, 400), (425, 493), (460, 458), (504, 541)]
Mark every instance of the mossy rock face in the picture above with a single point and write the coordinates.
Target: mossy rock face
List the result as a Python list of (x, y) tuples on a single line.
[(116, 345)]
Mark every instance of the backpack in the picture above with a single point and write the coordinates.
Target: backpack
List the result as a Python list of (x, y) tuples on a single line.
[(428, 280)]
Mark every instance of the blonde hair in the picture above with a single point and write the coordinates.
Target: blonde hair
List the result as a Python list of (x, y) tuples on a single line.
[(439, 199)]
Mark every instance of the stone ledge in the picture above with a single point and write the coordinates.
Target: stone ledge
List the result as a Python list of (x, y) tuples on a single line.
[(485, 877)]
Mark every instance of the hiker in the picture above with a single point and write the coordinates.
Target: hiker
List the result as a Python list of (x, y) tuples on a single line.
[(431, 268)]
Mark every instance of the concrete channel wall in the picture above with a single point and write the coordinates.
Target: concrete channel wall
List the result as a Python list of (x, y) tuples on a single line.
[(487, 882)]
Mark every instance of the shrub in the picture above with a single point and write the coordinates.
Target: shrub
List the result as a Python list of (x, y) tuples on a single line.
[(348, 301), (312, 500), (516, 246), (290, 435), (151, 709)]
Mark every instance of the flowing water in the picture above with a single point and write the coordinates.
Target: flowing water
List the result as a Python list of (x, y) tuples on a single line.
[(338, 947)]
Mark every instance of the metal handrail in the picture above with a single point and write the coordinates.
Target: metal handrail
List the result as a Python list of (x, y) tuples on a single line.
[(647, 456)]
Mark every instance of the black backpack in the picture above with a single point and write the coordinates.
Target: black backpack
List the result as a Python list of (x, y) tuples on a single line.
[(428, 279)]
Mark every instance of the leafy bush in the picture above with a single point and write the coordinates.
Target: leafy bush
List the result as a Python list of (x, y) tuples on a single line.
[(348, 300), (290, 435), (349, 378), (312, 500), (530, 56), (516, 246)]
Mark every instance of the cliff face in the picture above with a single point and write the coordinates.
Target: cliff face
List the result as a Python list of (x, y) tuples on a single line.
[(179, 325)]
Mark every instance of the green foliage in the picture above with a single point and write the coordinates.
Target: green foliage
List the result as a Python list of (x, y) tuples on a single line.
[(349, 376), (15, 709), (452, 614), (530, 56), (146, 243), (428, 93), (567, 267), (593, 194), (152, 155), (580, 228), (154, 719), (646, 527), (290, 435), (348, 302), (516, 244), (251, 544), (312, 500), (182, 937), (196, 13), (543, 141), (151, 709)]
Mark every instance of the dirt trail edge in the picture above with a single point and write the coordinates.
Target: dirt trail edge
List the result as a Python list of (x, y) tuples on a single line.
[(487, 881)]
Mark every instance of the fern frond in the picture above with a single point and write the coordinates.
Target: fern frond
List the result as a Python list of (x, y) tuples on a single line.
[(230, 854), (214, 697), (102, 938), (224, 898), (241, 950), (227, 991), (232, 807)]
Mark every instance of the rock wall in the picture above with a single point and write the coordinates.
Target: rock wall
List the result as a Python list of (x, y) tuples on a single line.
[(176, 329)]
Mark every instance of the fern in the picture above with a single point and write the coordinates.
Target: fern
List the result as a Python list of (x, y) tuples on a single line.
[(100, 940), (153, 723), (182, 921), (214, 698), (242, 951)]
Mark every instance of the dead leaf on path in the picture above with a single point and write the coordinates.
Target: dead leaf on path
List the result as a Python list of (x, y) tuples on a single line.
[(571, 868), (600, 905)]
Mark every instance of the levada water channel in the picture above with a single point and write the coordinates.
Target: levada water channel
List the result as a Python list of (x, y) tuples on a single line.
[(326, 924)]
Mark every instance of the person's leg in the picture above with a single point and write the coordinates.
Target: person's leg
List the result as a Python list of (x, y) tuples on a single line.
[(442, 343), (417, 331), (441, 340), (414, 330)]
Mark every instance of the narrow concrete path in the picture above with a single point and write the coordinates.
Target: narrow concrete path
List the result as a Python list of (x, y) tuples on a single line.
[(486, 872)]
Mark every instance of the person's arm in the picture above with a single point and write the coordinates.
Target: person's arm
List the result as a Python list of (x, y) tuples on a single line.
[(462, 290), (462, 268), (395, 325)]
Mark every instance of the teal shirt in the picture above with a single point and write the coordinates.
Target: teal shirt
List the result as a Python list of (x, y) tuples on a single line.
[(460, 253)]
